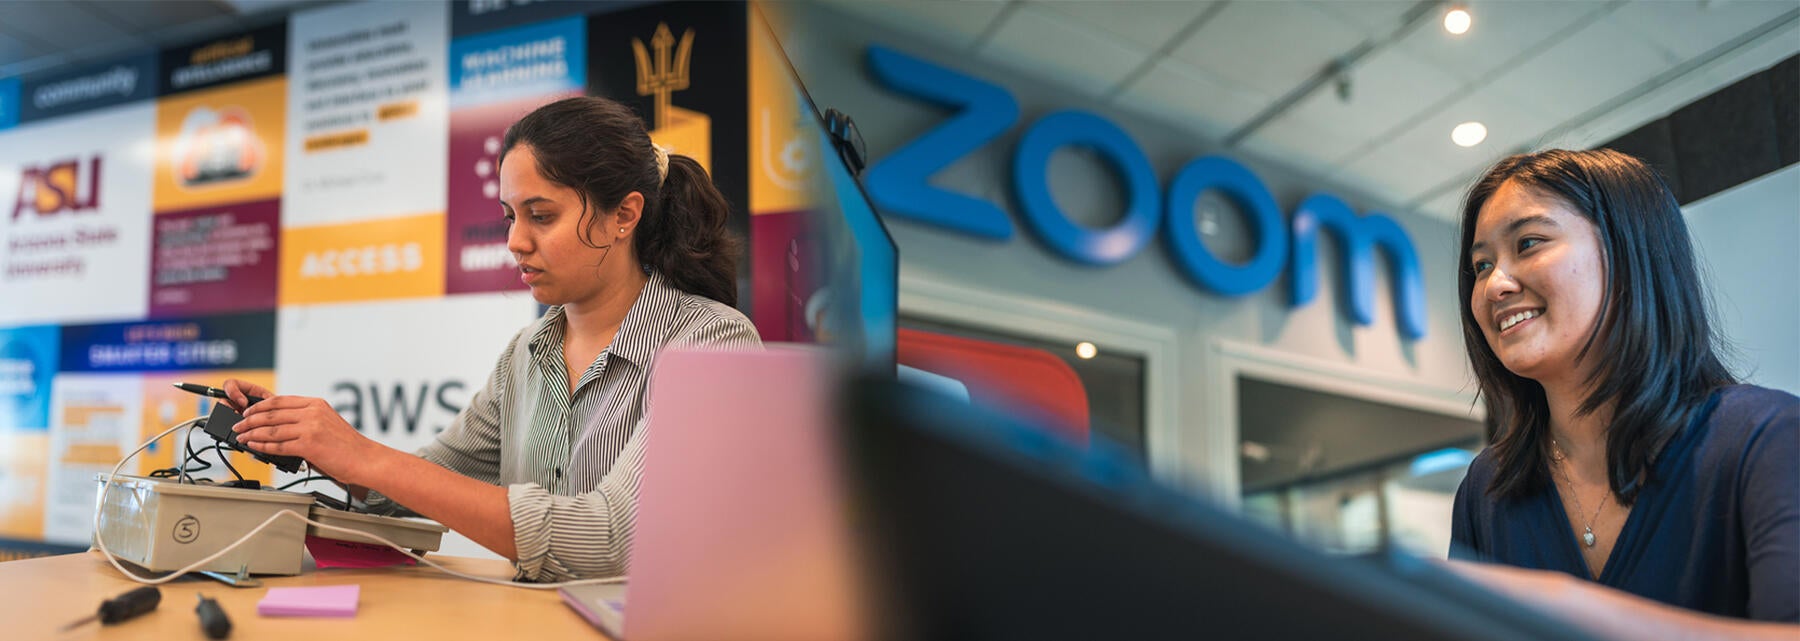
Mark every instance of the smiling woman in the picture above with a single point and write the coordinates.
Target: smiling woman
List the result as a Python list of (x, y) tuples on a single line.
[(1623, 452), (627, 245)]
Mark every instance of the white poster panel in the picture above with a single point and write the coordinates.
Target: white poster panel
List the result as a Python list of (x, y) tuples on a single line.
[(96, 420), (399, 371), (75, 217), (367, 112)]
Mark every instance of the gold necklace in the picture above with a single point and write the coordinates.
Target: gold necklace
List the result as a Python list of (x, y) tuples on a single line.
[(1587, 533)]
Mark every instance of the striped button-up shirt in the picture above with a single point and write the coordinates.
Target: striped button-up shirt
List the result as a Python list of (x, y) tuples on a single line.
[(572, 462)]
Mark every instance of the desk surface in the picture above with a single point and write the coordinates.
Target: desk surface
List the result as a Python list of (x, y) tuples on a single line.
[(39, 596)]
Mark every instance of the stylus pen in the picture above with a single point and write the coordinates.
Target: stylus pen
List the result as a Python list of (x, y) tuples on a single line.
[(214, 392), (202, 390)]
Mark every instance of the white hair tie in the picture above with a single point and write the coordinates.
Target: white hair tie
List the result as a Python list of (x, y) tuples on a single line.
[(662, 162)]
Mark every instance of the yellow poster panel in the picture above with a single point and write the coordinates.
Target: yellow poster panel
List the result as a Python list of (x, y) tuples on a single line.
[(220, 146), (688, 133), (165, 406), (371, 260), (780, 160), (24, 461)]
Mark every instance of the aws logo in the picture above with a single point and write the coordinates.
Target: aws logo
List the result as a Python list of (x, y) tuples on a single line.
[(68, 186), (900, 185), (400, 408)]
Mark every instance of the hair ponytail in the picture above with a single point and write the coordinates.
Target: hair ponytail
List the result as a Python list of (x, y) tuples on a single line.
[(685, 239), (600, 149)]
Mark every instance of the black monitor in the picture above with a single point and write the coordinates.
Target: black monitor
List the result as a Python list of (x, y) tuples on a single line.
[(980, 526), (853, 254)]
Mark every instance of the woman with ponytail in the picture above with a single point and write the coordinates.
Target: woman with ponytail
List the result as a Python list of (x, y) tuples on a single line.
[(626, 243)]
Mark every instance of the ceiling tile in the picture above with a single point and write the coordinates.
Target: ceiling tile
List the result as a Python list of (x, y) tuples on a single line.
[(1408, 167), (1058, 50), (1501, 32), (1300, 145), (56, 20), (1688, 29), (1665, 97), (149, 16), (1386, 89), (1270, 47), (1187, 97), (13, 50), (1375, 18), (955, 25), (1147, 24), (1567, 77)]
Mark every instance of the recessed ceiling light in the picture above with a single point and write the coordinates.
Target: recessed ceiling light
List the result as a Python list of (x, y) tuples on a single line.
[(1086, 350), (1457, 21), (1468, 134)]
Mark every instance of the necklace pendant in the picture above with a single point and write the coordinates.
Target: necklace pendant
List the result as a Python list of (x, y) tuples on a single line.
[(1587, 538)]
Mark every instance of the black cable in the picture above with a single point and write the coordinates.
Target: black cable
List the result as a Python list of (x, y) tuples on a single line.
[(175, 470), (225, 457), (304, 480)]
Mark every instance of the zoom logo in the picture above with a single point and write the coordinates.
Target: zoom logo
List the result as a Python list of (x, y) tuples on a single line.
[(900, 185)]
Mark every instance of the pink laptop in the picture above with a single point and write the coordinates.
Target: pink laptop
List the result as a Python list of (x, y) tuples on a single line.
[(740, 524)]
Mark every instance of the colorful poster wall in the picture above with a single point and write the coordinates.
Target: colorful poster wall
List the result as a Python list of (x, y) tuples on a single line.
[(312, 206), (495, 79), (75, 217), (112, 392), (364, 358), (364, 200), (28, 360), (682, 67), (221, 126)]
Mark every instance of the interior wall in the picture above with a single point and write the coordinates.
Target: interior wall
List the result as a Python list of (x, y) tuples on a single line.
[(1745, 238), (828, 48)]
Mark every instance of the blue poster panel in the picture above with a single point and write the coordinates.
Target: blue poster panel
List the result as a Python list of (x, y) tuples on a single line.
[(62, 93), (469, 17), (9, 103), (534, 60), (236, 341), (27, 364)]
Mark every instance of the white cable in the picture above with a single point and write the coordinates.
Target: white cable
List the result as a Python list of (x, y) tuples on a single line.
[(101, 542)]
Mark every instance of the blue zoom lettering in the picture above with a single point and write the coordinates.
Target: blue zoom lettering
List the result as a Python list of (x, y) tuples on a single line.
[(900, 185)]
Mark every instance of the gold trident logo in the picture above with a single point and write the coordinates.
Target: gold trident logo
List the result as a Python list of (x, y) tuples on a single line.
[(661, 79)]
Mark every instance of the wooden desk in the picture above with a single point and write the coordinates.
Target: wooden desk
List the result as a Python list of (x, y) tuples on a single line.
[(39, 596)]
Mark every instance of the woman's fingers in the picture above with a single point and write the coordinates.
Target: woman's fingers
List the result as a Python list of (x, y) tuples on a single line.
[(279, 403), (265, 434), (237, 393)]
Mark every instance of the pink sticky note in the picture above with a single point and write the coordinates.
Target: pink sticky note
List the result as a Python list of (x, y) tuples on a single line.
[(329, 601), (332, 553)]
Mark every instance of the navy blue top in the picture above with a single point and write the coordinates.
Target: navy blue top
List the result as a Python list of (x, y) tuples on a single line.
[(1717, 529)]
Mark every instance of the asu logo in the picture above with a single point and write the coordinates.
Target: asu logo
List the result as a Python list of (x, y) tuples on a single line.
[(60, 187)]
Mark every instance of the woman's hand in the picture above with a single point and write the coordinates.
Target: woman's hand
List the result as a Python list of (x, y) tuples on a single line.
[(1550, 590), (1614, 614), (308, 428), (236, 391)]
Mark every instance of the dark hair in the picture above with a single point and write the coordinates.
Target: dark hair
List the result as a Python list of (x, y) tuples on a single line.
[(600, 149), (1658, 362)]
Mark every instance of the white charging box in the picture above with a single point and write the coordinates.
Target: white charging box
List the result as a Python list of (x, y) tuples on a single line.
[(418, 536), (163, 525)]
